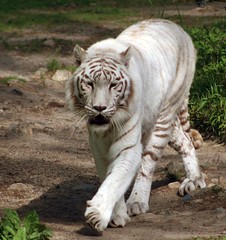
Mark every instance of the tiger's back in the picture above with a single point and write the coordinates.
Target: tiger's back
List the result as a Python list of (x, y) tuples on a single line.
[(165, 59)]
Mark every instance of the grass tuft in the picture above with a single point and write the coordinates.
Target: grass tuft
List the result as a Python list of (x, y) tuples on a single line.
[(54, 65), (7, 80)]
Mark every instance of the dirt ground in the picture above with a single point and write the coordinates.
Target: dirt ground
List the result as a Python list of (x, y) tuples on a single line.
[(46, 165)]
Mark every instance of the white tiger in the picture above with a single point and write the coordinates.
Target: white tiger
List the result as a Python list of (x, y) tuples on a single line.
[(133, 92)]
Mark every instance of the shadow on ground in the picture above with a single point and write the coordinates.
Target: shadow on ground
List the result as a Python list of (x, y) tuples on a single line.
[(65, 202)]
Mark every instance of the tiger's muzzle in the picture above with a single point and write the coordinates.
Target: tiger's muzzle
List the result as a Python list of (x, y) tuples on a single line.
[(99, 120)]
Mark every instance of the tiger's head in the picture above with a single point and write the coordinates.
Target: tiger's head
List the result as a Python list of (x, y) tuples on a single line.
[(100, 88)]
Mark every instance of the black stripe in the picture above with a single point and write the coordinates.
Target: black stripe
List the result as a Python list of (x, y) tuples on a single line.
[(124, 134), (127, 148)]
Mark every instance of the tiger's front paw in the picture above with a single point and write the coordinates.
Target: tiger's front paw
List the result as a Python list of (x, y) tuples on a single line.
[(188, 185), (96, 218)]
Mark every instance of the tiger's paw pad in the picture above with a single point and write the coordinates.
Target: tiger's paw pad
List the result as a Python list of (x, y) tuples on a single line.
[(119, 220), (96, 219), (137, 208), (188, 185)]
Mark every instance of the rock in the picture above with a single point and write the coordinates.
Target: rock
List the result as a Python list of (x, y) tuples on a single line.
[(20, 187), (220, 210), (17, 92), (222, 157), (23, 78), (175, 168), (54, 84), (214, 180), (21, 128), (61, 75), (41, 72), (210, 185), (187, 198), (222, 181), (174, 185), (50, 43), (201, 193)]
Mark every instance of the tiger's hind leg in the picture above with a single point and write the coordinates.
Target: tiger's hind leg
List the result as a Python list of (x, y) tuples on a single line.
[(138, 201), (183, 144)]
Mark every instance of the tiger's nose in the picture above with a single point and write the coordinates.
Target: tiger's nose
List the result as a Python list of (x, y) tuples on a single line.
[(99, 108)]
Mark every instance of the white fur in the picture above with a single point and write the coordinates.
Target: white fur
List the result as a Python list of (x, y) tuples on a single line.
[(157, 59)]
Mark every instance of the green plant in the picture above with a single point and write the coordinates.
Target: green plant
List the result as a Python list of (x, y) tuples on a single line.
[(70, 68), (208, 112), (53, 65), (208, 92), (7, 80), (30, 228), (211, 60)]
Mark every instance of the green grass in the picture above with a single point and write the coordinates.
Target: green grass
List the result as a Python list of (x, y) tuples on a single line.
[(21, 14), (210, 238), (10, 5), (54, 65), (9, 79), (21, 20), (30, 19), (17, 15)]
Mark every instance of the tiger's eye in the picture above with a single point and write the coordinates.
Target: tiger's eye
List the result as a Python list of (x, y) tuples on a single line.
[(90, 84), (113, 84)]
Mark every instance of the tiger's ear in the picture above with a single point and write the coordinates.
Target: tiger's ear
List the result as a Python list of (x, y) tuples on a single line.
[(126, 56), (79, 54)]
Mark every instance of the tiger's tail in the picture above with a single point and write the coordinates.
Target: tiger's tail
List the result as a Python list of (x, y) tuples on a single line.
[(195, 136)]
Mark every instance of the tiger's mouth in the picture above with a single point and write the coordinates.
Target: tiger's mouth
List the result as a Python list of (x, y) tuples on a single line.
[(99, 120)]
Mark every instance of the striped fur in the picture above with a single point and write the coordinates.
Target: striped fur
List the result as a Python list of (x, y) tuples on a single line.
[(133, 93)]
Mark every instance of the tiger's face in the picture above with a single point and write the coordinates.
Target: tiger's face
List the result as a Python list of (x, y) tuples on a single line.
[(99, 91)]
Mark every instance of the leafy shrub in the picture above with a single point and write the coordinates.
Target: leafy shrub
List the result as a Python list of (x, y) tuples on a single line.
[(208, 92), (211, 60), (208, 113), (12, 228)]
